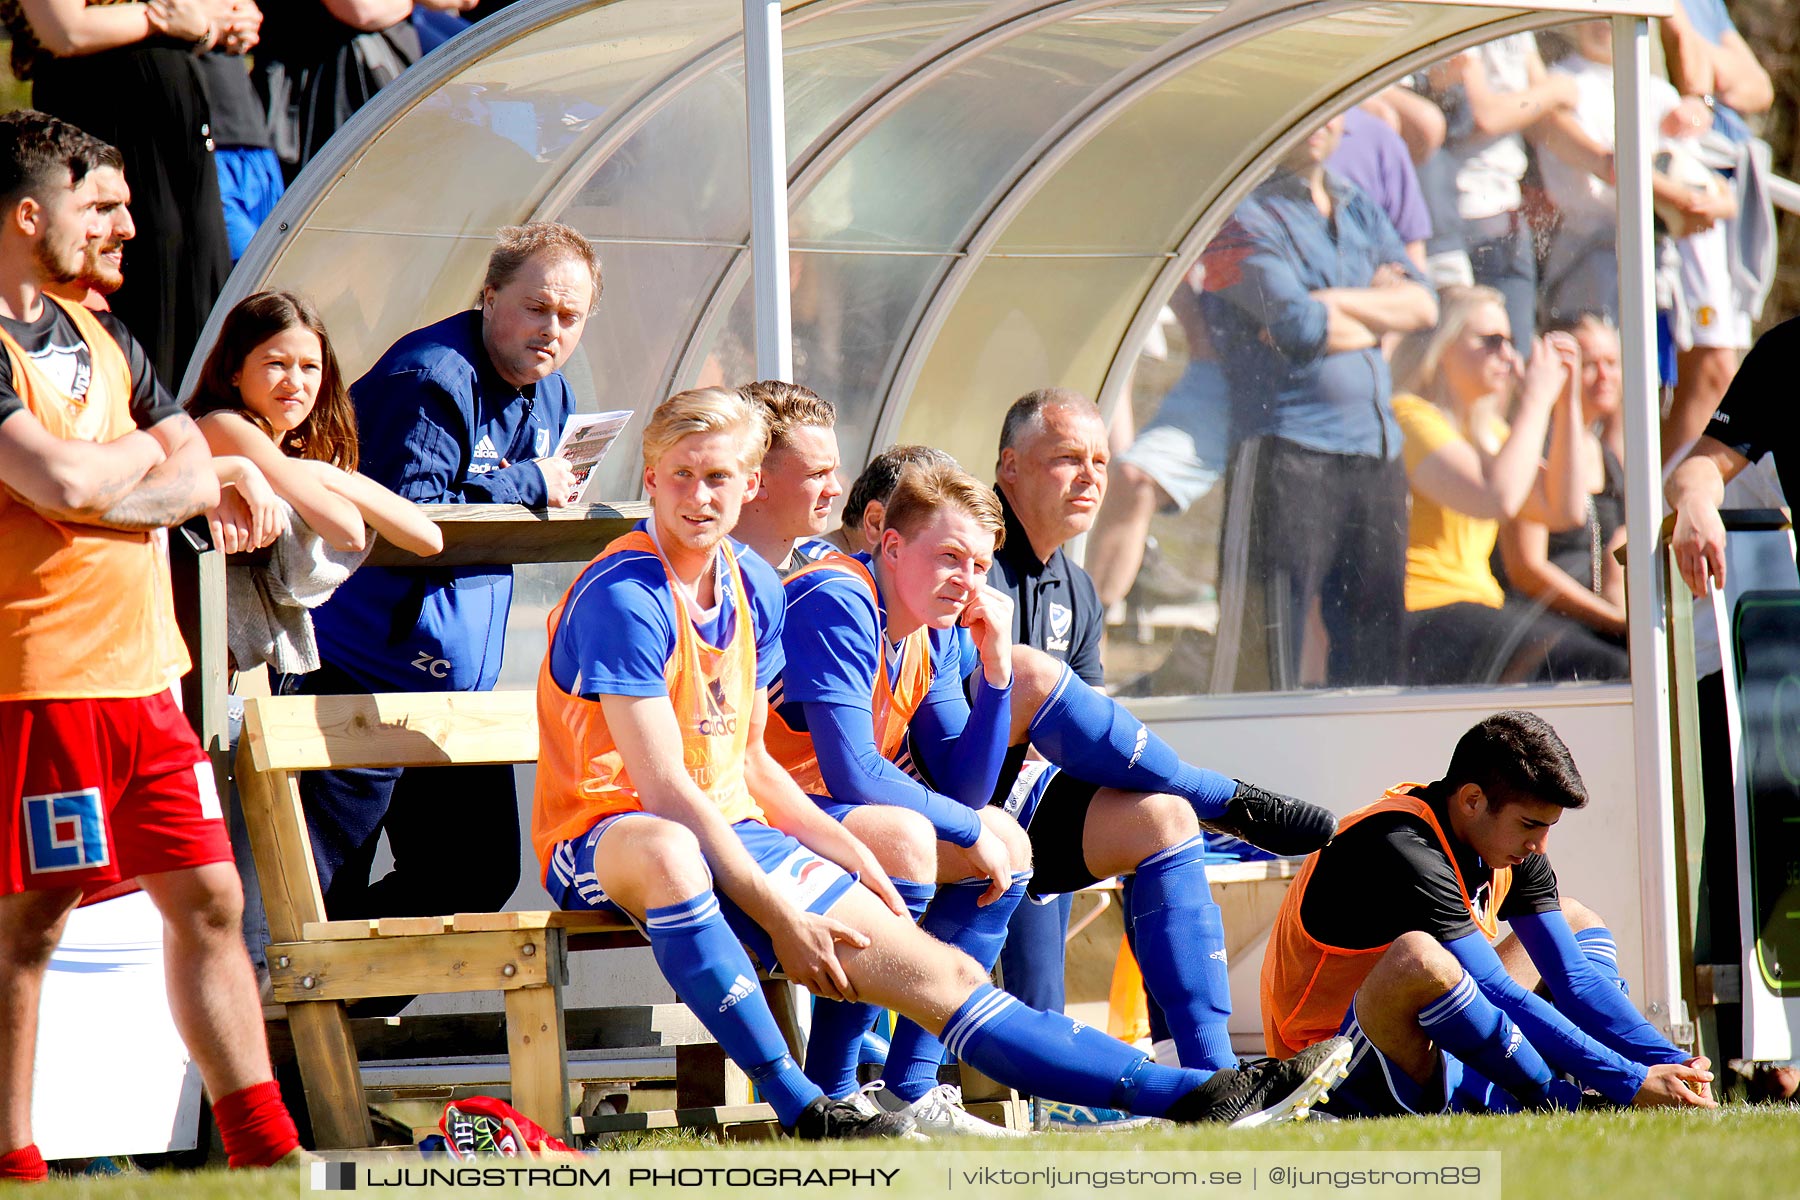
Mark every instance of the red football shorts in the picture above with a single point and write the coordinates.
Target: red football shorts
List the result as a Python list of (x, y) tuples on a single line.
[(97, 791)]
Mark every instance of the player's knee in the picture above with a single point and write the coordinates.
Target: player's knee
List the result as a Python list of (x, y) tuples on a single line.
[(903, 841), (1034, 673), (965, 973), (28, 938), (1418, 962), (214, 908), (1014, 838), (672, 852), (1138, 487), (1166, 821), (1580, 916)]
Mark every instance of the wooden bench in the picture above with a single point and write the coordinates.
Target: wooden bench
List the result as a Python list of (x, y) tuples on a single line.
[(315, 964)]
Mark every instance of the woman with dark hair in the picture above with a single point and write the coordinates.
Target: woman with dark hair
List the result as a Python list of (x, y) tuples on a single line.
[(271, 392)]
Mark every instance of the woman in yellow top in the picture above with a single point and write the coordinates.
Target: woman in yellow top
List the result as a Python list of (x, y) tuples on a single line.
[(1468, 471)]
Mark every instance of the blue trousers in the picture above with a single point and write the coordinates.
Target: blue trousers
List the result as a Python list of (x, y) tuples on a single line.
[(454, 832)]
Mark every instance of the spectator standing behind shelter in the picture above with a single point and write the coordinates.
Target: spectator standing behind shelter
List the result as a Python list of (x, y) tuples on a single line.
[(94, 457), (1507, 91), (1581, 271), (1576, 572), (1300, 286), (1469, 471), (463, 411), (321, 60), (250, 180), (1373, 156), (126, 73), (1709, 59)]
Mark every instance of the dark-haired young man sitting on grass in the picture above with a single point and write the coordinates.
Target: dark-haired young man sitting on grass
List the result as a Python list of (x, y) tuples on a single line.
[(1385, 937)]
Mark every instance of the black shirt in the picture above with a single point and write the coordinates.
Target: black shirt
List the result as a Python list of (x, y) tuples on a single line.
[(238, 117), (1753, 418), (1387, 875), (54, 344), (1055, 606)]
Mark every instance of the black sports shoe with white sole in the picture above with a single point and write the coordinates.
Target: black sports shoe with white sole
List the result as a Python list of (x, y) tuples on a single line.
[(825, 1119), (1267, 1091), (1279, 824)]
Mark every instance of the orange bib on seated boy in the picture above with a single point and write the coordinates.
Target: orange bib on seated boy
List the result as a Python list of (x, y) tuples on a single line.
[(892, 706), (85, 612), (1307, 986), (581, 776)]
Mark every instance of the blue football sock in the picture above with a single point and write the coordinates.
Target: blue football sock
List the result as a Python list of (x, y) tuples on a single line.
[(834, 1043), (1180, 938), (711, 972), (1058, 1058), (954, 917), (1470, 1026), (1096, 739), (1159, 1021), (1601, 950)]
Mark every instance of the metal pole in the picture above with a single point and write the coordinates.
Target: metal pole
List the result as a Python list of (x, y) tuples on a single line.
[(766, 144), (1643, 519)]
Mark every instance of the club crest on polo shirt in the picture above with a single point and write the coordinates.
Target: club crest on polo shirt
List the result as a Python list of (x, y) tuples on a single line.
[(1061, 621), (484, 458)]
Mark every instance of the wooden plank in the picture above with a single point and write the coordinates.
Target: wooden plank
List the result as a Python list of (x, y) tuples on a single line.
[(334, 1090), (404, 966), (308, 733), (574, 922), (339, 931), (501, 922), (706, 1078), (487, 534), (672, 1118), (280, 845), (534, 1047)]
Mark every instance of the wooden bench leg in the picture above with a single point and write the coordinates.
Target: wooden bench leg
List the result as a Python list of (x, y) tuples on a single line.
[(334, 1091), (534, 1045), (784, 1004)]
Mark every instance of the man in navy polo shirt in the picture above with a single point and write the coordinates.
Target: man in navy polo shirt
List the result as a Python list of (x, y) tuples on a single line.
[(466, 411), (1051, 477)]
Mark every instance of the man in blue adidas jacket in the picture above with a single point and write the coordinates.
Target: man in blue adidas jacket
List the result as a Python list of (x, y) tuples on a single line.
[(466, 411)]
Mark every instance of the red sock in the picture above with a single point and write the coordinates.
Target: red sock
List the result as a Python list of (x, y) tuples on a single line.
[(255, 1126), (24, 1164)]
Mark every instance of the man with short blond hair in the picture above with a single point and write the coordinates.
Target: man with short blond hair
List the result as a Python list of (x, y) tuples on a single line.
[(658, 798)]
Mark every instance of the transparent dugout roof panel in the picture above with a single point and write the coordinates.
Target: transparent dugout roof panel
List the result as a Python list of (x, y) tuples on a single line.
[(983, 193)]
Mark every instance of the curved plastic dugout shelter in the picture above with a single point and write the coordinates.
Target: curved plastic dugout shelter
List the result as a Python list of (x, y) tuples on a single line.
[(983, 197)]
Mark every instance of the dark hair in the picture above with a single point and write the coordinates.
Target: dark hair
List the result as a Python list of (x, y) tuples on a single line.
[(879, 478), (35, 148), (1515, 755), (105, 154), (1029, 408), (329, 432)]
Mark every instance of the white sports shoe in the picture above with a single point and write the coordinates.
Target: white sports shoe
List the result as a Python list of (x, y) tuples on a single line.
[(864, 1101), (939, 1113)]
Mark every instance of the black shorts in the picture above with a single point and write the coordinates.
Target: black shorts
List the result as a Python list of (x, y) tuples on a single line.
[(1052, 806)]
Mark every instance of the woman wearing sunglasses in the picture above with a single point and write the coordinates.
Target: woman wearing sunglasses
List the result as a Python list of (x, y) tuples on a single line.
[(1469, 469)]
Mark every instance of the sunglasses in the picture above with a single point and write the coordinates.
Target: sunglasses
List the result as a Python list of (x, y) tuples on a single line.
[(1494, 343)]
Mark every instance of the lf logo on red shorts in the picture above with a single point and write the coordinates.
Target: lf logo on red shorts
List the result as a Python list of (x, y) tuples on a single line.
[(66, 831)]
